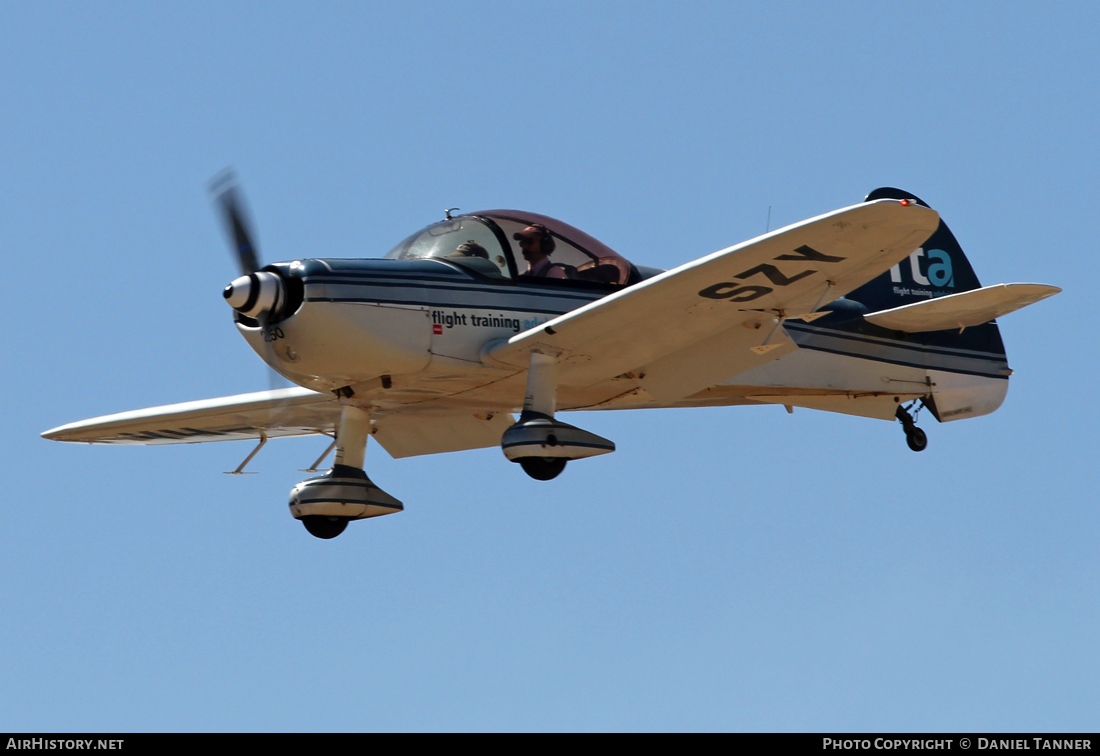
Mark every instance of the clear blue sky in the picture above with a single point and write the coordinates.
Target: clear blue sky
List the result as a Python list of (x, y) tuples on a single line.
[(731, 568)]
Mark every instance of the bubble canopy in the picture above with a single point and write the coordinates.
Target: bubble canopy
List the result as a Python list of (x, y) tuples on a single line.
[(483, 242)]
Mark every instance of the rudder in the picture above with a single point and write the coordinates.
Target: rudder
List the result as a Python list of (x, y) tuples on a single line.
[(937, 268)]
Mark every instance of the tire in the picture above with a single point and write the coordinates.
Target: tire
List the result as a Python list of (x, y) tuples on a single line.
[(543, 468), (917, 439), (322, 526)]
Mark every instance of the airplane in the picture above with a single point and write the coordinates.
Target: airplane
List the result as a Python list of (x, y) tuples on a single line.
[(870, 310)]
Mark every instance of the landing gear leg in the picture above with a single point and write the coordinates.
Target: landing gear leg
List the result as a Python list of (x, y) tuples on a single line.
[(326, 504), (916, 438), (351, 438), (540, 444), (540, 401)]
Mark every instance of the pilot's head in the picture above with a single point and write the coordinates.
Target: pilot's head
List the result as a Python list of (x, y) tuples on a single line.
[(470, 249), (535, 242)]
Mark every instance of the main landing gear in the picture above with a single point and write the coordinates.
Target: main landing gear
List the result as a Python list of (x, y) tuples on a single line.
[(916, 438), (326, 504), (540, 444)]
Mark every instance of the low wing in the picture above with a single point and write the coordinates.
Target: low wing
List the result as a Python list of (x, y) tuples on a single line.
[(282, 412), (786, 273), (969, 308)]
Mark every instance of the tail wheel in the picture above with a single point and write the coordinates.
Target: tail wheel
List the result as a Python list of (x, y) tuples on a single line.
[(543, 468), (917, 439), (322, 526), (914, 436)]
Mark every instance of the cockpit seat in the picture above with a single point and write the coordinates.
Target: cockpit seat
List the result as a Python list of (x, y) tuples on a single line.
[(604, 270)]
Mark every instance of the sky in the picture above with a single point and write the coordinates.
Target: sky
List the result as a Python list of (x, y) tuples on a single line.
[(725, 569)]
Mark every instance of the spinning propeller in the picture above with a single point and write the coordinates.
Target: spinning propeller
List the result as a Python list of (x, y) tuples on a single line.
[(257, 293)]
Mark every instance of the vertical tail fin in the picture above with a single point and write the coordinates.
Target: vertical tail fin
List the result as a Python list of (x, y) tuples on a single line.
[(966, 369), (937, 268)]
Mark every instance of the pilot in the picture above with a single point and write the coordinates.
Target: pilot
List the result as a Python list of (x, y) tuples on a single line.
[(470, 249), (537, 244)]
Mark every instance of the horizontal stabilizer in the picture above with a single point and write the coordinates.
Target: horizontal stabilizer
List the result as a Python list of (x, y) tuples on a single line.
[(970, 308)]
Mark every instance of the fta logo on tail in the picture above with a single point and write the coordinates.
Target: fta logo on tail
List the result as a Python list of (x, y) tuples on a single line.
[(939, 272)]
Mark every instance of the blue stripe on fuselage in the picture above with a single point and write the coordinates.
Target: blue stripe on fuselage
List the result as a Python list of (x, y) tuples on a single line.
[(897, 352), (418, 292), (438, 285)]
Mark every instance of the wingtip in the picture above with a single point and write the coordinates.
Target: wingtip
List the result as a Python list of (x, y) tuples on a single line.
[(1042, 291), (59, 433)]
